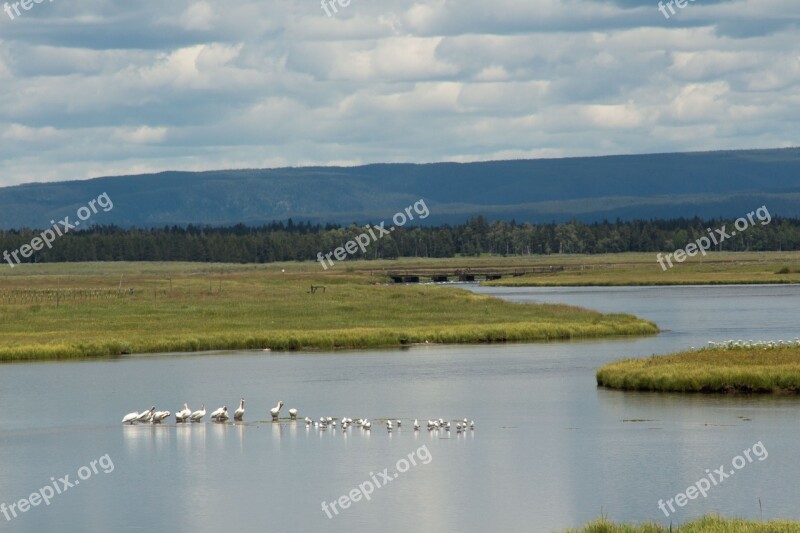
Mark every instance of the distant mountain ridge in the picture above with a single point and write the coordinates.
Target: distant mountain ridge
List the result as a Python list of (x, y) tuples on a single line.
[(705, 184)]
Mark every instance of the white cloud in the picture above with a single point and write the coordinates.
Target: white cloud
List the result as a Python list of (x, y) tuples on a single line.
[(198, 16), (100, 87), (140, 135)]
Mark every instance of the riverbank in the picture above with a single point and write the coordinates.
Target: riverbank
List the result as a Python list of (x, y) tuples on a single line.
[(737, 368), (702, 525), (81, 310)]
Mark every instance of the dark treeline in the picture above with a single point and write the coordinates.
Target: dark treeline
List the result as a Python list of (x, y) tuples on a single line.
[(302, 241)]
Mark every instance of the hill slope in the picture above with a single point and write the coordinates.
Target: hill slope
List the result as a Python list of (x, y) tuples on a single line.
[(707, 184)]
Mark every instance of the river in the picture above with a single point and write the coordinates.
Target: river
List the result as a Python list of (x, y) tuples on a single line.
[(549, 451)]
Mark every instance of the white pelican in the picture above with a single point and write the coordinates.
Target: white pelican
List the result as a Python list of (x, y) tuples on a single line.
[(197, 416), (367, 425), (293, 414), (389, 425), (222, 414), (184, 414), (239, 413), (130, 418), (158, 416), (275, 411), (146, 416)]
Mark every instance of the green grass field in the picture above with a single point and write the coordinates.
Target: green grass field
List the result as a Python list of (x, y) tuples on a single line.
[(59, 311), (642, 269), (707, 524), (719, 370)]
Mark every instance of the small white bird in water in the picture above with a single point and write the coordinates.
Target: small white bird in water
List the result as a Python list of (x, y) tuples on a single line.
[(158, 416), (472, 424), (198, 415), (275, 411), (130, 418), (308, 421), (239, 413), (184, 414), (293, 414), (416, 425), (367, 425), (389, 425)]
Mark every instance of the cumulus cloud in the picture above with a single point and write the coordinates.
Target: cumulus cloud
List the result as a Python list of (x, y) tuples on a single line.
[(100, 87)]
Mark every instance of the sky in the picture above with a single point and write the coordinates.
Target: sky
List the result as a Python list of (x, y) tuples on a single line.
[(95, 87)]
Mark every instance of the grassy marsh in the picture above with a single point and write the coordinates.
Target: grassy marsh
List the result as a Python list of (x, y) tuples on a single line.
[(716, 268), (707, 524), (196, 306), (716, 370)]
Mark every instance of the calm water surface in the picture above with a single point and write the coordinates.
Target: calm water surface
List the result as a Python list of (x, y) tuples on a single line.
[(550, 450)]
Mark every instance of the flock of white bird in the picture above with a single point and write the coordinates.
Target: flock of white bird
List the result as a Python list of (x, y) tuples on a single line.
[(765, 345), (326, 422), (151, 416)]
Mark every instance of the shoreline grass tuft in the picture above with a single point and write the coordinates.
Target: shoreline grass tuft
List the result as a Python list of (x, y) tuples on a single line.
[(711, 523), (741, 369)]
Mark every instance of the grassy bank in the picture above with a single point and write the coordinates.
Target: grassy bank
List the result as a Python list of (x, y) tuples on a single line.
[(745, 369), (642, 269), (105, 309), (713, 524)]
